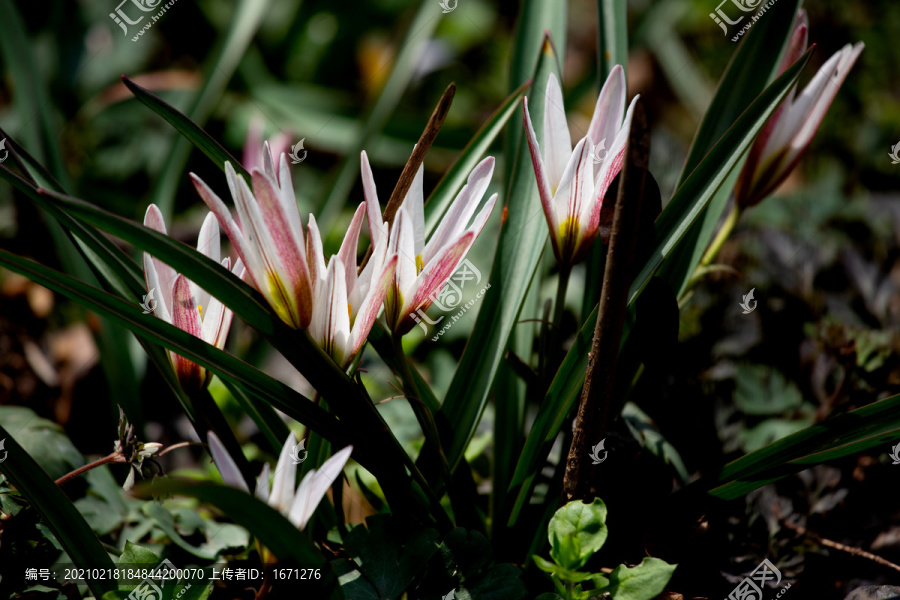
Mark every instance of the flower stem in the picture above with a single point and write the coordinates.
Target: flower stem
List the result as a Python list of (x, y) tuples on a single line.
[(420, 409), (725, 231), (110, 458), (553, 349)]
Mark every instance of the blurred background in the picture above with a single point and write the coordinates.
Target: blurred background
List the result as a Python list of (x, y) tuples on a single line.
[(822, 254)]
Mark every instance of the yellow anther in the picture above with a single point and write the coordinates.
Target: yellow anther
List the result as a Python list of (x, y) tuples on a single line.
[(420, 264)]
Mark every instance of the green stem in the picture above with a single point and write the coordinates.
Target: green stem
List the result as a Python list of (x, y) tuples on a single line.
[(423, 415), (559, 309), (721, 236)]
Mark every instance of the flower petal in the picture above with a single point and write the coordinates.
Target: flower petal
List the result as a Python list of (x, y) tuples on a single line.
[(350, 245), (377, 227), (368, 312), (461, 210), (607, 117), (541, 175), (414, 203), (557, 141), (285, 477), (262, 484), (228, 469), (154, 220), (401, 244), (315, 255), (575, 190), (314, 487), (151, 279), (186, 317)]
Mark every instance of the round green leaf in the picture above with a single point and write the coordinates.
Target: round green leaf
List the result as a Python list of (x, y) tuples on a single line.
[(576, 532)]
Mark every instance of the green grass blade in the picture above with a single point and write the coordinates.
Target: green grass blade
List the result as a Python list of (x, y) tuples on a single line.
[(689, 200), (265, 523), (874, 425), (156, 330), (612, 38), (753, 65), (245, 20), (60, 515), (420, 31), (523, 235), (186, 127), (456, 175)]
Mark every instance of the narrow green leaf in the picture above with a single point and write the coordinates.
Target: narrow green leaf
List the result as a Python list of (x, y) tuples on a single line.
[(523, 236), (60, 515), (148, 326), (612, 37), (754, 64), (417, 36), (688, 201), (456, 175), (877, 424), (186, 127), (245, 21)]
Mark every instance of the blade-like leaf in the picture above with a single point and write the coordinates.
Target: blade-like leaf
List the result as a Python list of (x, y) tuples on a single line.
[(874, 425), (689, 200), (245, 20), (753, 65), (523, 234), (60, 515), (268, 525), (456, 175), (186, 127), (612, 37), (148, 326)]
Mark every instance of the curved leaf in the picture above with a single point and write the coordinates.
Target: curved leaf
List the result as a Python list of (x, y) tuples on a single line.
[(61, 516)]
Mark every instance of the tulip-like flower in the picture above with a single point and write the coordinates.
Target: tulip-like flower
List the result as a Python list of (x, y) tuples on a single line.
[(269, 237), (253, 156), (346, 305), (297, 505), (572, 183), (789, 131), (182, 303), (423, 268)]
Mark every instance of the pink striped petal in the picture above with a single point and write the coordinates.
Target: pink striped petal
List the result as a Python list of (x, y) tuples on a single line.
[(373, 208), (461, 210), (433, 278), (543, 185), (368, 312), (186, 317), (414, 203), (315, 255), (350, 245), (575, 190)]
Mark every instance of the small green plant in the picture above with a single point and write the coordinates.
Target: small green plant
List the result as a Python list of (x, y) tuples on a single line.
[(576, 532)]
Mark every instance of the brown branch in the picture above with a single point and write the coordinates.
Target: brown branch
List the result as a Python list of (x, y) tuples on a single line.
[(838, 546), (596, 397), (415, 161), (110, 458)]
